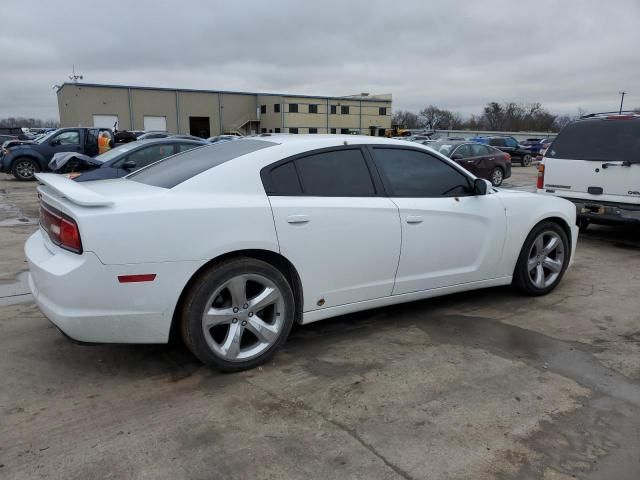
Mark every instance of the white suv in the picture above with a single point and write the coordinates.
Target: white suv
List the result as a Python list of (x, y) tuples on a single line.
[(595, 163)]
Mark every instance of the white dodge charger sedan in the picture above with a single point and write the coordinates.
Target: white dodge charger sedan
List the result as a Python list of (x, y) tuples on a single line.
[(232, 243)]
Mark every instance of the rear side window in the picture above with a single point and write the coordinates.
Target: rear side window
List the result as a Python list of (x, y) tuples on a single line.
[(285, 180), (409, 173), (497, 142), (478, 150), (598, 140), (335, 173), (176, 169)]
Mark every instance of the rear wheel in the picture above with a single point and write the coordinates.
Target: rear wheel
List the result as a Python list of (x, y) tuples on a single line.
[(543, 259), (526, 160), (496, 177), (25, 169), (237, 314)]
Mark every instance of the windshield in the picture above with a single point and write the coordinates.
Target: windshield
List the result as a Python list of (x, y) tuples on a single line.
[(441, 147), (45, 137), (171, 171), (598, 140), (114, 152)]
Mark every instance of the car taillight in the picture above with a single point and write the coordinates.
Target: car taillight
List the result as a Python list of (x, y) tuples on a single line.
[(507, 157), (540, 183), (62, 230)]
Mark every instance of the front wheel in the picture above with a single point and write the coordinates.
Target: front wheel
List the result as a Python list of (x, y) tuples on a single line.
[(543, 259), (24, 169), (526, 160), (237, 314), (496, 177)]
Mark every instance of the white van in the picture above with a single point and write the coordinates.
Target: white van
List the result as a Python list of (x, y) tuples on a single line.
[(595, 163)]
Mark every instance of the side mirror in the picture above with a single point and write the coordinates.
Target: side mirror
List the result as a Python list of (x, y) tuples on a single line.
[(481, 186), (129, 165), (55, 142), (457, 156)]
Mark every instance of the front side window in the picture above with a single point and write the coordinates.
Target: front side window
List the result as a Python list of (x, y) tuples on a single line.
[(511, 142), (463, 150), (410, 173), (68, 138)]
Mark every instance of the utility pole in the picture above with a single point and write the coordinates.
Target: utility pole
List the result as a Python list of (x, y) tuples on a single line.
[(622, 100)]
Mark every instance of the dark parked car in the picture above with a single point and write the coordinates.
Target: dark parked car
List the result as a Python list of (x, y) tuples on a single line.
[(122, 160), (26, 159), (481, 160), (151, 135), (509, 145)]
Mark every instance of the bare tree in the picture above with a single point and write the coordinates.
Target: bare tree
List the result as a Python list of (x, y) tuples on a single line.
[(406, 119)]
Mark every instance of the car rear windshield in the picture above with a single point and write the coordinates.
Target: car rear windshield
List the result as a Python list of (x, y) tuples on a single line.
[(598, 140), (172, 171)]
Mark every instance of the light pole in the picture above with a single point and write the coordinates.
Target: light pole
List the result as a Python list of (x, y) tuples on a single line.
[(622, 100)]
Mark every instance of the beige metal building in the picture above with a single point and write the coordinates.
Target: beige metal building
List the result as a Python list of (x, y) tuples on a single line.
[(207, 112)]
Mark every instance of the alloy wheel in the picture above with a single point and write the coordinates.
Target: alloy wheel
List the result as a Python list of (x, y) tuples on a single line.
[(243, 317), (25, 169), (546, 259), (496, 177), (526, 160)]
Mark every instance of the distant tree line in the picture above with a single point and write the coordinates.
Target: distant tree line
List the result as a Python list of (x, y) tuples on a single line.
[(28, 122), (508, 116)]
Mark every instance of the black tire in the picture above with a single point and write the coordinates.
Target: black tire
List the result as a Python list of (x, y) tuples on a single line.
[(197, 302), (526, 160), (496, 177), (24, 168), (521, 276)]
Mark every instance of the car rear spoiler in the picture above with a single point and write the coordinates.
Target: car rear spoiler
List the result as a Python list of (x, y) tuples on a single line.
[(73, 191)]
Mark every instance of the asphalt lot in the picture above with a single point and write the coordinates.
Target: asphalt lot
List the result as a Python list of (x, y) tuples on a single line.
[(479, 385)]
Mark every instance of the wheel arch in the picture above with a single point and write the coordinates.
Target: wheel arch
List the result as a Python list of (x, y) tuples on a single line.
[(273, 258)]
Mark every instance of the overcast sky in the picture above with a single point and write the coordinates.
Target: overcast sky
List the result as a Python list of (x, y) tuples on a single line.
[(454, 54)]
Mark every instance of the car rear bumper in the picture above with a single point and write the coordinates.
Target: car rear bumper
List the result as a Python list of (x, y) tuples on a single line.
[(606, 212), (84, 299)]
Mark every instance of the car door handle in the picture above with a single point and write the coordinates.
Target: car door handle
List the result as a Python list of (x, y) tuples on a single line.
[(414, 219), (298, 219)]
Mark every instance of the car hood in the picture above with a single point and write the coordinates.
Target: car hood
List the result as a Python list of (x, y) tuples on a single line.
[(72, 161)]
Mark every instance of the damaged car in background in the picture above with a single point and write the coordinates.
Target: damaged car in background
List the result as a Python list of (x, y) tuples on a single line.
[(119, 161)]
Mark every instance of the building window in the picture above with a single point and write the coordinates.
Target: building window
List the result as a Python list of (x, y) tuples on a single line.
[(344, 131), (263, 130), (334, 110), (277, 130), (270, 130), (313, 108), (344, 109), (263, 109), (333, 130), (276, 107), (293, 130), (382, 111), (293, 108), (313, 130)]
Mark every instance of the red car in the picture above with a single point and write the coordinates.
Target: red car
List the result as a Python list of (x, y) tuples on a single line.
[(482, 160)]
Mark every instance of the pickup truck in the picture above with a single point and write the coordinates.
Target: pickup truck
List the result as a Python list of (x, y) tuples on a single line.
[(25, 160)]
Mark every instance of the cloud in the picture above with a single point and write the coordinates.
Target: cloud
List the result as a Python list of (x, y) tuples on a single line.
[(454, 54)]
